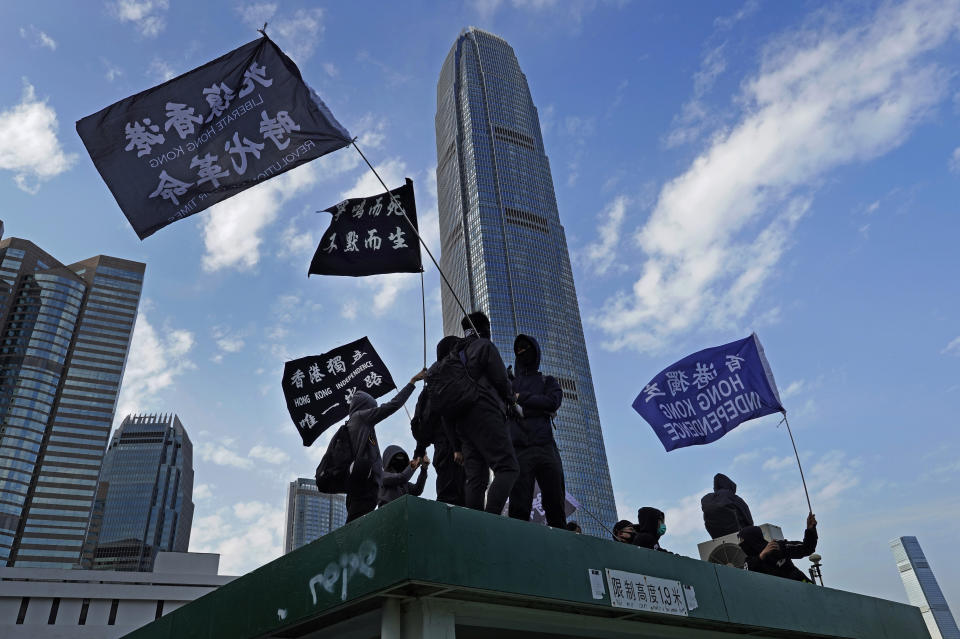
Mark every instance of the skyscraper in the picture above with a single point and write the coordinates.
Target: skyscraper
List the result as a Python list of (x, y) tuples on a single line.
[(311, 514), (922, 588), (64, 336), (144, 502), (503, 246)]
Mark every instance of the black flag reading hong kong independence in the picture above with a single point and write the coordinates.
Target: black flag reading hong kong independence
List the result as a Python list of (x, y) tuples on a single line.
[(318, 388), (369, 235), (200, 138)]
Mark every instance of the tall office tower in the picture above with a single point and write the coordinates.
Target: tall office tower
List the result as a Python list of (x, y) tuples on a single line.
[(64, 336), (144, 503), (311, 514), (922, 588), (504, 249)]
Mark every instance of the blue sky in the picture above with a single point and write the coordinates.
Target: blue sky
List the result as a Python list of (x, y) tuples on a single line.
[(720, 168)]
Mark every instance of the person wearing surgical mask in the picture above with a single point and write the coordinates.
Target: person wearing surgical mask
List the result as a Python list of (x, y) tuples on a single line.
[(650, 527)]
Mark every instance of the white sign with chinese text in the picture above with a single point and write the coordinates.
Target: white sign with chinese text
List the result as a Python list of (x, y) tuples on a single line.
[(649, 594)]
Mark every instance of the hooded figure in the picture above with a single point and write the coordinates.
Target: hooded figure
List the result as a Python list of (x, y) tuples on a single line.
[(483, 427), (397, 471), (650, 527), (539, 397), (363, 485), (624, 532), (776, 560), (724, 512), (430, 428)]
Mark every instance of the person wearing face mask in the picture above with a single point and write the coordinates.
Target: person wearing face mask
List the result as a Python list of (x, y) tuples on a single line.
[(650, 527), (624, 532), (539, 397)]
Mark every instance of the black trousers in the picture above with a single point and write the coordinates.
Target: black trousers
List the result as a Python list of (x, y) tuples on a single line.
[(362, 493), (450, 475), (487, 446), (540, 464)]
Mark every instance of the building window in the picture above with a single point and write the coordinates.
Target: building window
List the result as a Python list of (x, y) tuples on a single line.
[(113, 612), (24, 602), (54, 607), (159, 609), (84, 608)]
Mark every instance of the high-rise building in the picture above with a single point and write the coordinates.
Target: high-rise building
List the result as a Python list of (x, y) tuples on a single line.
[(922, 588), (504, 248), (64, 336), (144, 500), (311, 514)]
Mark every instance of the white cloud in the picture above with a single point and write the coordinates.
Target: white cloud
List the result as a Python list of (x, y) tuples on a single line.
[(821, 99), (38, 37), (792, 389), (955, 161), (157, 358), (602, 253), (148, 16), (222, 455), (331, 69), (160, 70), (953, 348), (28, 142), (227, 341), (569, 12), (112, 71), (778, 463), (297, 33), (694, 115), (202, 491), (269, 454), (246, 536)]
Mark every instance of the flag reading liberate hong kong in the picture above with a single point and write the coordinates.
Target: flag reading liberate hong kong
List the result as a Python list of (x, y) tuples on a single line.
[(704, 396), (200, 138), (371, 235)]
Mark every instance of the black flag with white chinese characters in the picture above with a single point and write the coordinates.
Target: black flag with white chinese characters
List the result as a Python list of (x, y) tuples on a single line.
[(369, 235), (318, 389), (181, 147)]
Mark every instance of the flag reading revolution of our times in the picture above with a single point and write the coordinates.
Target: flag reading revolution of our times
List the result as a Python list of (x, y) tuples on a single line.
[(704, 396), (200, 138)]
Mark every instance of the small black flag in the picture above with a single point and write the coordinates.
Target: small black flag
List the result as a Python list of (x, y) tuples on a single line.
[(318, 388), (368, 236), (200, 138)]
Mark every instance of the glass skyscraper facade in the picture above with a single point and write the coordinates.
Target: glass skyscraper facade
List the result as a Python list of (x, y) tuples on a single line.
[(311, 514), (504, 249), (64, 336), (145, 498), (922, 588)]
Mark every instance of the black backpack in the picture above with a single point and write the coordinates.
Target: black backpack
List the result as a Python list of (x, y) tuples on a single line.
[(334, 468), (451, 388)]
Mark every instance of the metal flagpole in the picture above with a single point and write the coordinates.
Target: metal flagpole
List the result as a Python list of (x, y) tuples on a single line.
[(423, 302), (790, 432), (597, 519), (417, 233)]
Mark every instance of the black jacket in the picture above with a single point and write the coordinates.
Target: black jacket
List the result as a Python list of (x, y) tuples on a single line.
[(427, 426), (485, 365), (364, 416), (394, 485), (648, 521), (723, 511), (540, 397), (778, 565)]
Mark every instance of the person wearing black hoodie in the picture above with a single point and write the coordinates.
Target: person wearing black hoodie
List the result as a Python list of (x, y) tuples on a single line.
[(773, 558), (724, 512), (366, 472), (397, 471), (483, 427), (650, 527), (430, 428), (539, 397)]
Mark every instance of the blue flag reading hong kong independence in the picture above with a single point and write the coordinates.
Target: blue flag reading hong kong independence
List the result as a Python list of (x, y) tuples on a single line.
[(706, 395), (181, 147)]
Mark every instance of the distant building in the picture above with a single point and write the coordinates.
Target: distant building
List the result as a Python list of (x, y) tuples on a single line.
[(64, 336), (40, 603), (504, 248), (311, 514), (922, 588), (144, 502)]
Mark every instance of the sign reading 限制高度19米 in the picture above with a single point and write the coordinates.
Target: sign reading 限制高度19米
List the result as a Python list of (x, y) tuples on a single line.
[(200, 138), (702, 397), (649, 594), (318, 388)]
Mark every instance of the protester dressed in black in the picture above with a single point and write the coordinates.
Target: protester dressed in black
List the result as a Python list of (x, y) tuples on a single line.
[(430, 428), (539, 396), (724, 512), (397, 471), (650, 527), (363, 484), (482, 428), (773, 558)]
